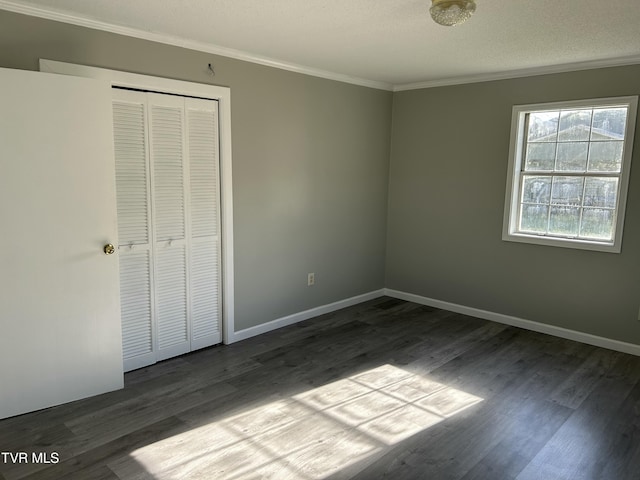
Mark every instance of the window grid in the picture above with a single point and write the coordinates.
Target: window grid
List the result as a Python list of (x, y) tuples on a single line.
[(571, 173), (582, 207), (557, 173)]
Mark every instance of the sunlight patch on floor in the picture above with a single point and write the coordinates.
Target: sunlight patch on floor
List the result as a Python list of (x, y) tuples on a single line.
[(311, 435)]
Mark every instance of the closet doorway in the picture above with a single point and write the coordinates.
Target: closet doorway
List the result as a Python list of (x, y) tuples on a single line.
[(175, 233)]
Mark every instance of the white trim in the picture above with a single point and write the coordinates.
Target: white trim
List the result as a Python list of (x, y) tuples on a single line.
[(58, 16), (513, 196), (582, 337), (305, 315), (528, 72), (223, 96), (190, 44)]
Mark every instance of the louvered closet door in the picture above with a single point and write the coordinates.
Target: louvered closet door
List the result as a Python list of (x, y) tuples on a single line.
[(204, 224), (167, 181), (134, 233), (169, 171)]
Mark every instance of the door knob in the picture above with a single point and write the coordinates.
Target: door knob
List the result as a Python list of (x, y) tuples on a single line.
[(109, 249)]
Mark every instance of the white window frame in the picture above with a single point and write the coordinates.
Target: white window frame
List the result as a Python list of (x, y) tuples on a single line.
[(516, 161)]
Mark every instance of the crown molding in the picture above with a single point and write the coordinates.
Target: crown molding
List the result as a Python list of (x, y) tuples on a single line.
[(58, 16), (528, 72), (189, 44)]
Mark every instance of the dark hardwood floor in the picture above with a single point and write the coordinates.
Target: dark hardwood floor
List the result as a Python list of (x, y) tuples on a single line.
[(385, 389)]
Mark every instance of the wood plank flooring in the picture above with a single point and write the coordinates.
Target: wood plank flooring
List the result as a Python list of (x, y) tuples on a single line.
[(383, 390)]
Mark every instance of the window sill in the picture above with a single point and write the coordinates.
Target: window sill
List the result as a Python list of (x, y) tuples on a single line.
[(608, 247)]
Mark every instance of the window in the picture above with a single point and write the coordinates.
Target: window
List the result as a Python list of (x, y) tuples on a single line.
[(568, 173)]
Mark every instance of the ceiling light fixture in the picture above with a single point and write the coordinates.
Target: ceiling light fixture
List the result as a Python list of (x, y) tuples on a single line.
[(452, 12)]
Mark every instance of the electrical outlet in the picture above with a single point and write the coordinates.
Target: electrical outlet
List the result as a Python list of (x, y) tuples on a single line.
[(311, 279)]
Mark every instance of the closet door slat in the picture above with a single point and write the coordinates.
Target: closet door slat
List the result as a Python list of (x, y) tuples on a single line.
[(203, 155), (133, 194), (131, 170), (170, 248), (167, 149)]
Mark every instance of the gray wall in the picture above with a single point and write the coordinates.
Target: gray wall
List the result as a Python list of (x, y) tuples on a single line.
[(446, 200), (311, 170), (310, 164)]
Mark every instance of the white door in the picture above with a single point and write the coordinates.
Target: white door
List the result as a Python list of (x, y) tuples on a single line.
[(60, 334), (167, 155), (169, 192), (204, 222), (133, 186)]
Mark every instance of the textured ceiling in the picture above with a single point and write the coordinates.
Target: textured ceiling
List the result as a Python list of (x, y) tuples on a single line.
[(392, 42)]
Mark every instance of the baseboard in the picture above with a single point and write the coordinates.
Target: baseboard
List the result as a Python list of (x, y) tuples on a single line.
[(582, 337), (519, 322), (301, 316)]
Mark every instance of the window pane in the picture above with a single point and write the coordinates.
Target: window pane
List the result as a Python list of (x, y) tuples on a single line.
[(572, 156), (600, 192), (540, 156), (543, 126), (567, 190), (536, 189), (605, 157), (609, 124), (568, 171), (534, 218), (597, 223), (564, 221), (575, 125)]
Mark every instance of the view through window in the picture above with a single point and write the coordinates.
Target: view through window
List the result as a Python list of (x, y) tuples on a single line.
[(569, 173)]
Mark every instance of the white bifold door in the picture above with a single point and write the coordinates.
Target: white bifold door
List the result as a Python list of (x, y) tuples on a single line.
[(167, 184)]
